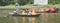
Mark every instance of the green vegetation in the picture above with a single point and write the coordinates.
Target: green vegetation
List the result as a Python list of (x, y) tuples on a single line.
[(24, 2)]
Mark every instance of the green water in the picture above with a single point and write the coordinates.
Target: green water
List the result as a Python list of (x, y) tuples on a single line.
[(39, 19)]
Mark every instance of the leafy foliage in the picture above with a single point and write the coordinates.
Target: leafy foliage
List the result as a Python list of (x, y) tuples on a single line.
[(24, 2)]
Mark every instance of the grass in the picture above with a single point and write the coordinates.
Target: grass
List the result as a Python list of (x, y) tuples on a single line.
[(28, 6)]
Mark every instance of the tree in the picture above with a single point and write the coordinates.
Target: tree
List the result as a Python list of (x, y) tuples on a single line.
[(5, 2)]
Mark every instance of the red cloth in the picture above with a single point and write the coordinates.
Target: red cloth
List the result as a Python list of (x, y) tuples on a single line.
[(53, 10), (47, 10)]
